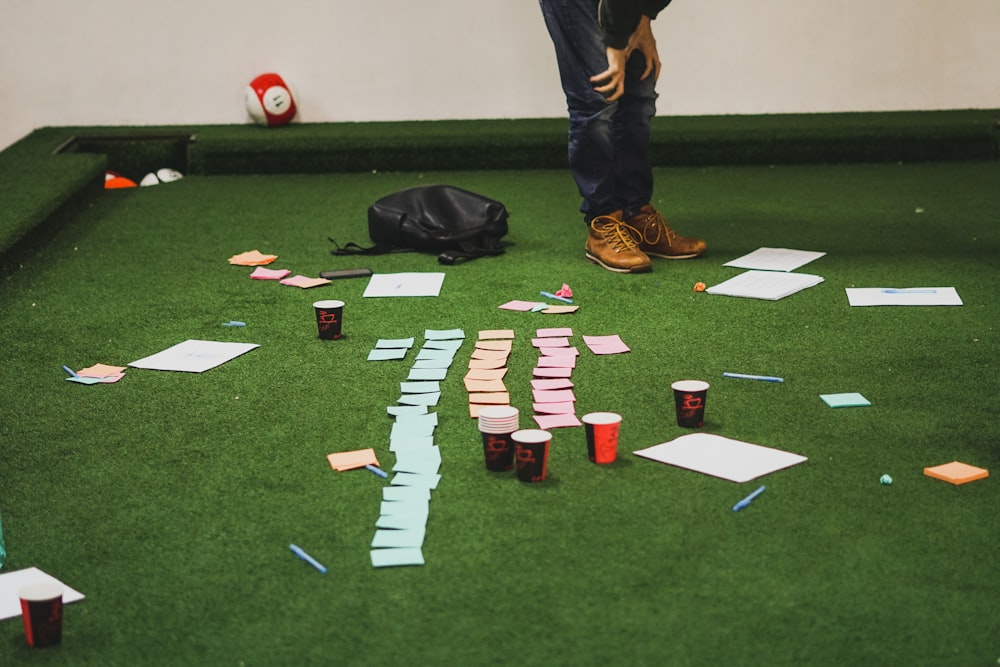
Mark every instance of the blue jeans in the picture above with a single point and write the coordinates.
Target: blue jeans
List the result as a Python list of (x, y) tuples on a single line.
[(608, 142)]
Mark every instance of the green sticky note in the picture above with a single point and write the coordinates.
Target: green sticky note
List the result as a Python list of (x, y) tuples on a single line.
[(848, 400), (396, 557)]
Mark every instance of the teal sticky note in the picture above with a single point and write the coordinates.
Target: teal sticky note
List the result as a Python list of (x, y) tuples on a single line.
[(406, 493), (419, 387), (846, 400), (427, 374), (429, 399), (420, 465), (426, 480), (402, 521), (401, 410), (426, 353), (83, 380), (411, 507), (452, 345), (397, 557), (394, 539), (443, 334), (431, 364), (394, 342), (386, 354), (402, 442)]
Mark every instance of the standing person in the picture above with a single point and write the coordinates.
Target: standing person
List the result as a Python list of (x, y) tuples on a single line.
[(608, 65)]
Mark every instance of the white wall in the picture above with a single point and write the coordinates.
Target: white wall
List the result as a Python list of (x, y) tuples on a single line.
[(171, 62)]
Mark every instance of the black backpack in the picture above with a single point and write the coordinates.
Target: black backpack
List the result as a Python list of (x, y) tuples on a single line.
[(455, 223)]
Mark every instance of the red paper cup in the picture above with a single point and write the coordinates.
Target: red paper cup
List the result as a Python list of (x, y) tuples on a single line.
[(531, 454), (602, 436), (41, 611), (689, 399), (329, 318)]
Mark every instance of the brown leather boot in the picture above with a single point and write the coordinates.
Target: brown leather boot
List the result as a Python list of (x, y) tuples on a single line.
[(613, 246), (654, 236)]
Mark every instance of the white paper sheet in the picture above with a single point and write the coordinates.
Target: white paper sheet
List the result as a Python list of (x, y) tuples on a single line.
[(194, 356), (775, 259), (906, 296), (404, 284), (722, 457), (768, 285), (12, 582)]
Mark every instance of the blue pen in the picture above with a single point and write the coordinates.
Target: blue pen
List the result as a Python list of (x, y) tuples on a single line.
[(69, 370), (909, 291), (746, 501), (307, 558), (762, 378), (378, 471), (550, 295)]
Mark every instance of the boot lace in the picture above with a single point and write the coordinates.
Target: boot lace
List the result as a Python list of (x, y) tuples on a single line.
[(615, 233)]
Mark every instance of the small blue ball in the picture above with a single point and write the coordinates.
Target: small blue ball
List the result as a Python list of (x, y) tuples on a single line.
[(885, 479)]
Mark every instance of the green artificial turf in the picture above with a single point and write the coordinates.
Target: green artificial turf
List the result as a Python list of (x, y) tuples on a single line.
[(170, 499)]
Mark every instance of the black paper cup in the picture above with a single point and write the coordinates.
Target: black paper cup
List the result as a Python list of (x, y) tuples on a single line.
[(531, 454), (329, 318), (498, 449), (41, 611), (689, 399)]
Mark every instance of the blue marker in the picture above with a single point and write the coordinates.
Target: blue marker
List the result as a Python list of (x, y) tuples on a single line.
[(69, 370), (762, 378), (306, 557), (550, 295), (909, 291), (746, 501), (378, 471)]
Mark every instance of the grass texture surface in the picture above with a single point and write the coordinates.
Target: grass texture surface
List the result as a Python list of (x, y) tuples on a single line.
[(170, 499)]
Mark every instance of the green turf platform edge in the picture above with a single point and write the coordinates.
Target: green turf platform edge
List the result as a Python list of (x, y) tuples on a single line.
[(52, 166)]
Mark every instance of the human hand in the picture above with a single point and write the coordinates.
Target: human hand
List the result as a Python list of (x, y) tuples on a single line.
[(613, 78)]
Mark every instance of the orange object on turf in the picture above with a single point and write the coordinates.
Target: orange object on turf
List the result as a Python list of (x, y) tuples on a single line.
[(119, 182), (699, 287), (957, 472)]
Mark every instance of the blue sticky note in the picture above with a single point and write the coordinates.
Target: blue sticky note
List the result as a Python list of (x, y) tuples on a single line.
[(432, 363), (406, 493), (419, 387), (397, 557), (427, 374), (402, 521), (443, 334), (452, 345), (427, 480), (401, 410), (387, 354), (83, 380), (427, 400), (394, 343), (413, 507), (846, 400), (404, 441)]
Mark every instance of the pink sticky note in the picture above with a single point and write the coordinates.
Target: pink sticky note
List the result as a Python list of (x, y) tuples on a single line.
[(554, 332), (358, 458), (554, 408), (518, 305), (547, 385), (546, 422), (552, 396), (539, 372), (606, 344), (550, 342), (304, 282), (557, 361), (557, 351), (260, 273)]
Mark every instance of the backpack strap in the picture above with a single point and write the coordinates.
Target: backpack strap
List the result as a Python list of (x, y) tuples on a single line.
[(352, 248)]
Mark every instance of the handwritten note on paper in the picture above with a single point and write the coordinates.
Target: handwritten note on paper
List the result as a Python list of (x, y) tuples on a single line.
[(775, 259), (194, 356), (907, 296)]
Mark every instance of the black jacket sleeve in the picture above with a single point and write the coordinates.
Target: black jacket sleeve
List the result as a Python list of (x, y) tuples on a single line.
[(619, 18)]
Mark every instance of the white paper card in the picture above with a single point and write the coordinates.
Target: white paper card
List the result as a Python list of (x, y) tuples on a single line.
[(12, 582), (404, 284), (194, 356), (775, 259), (768, 285), (908, 296), (722, 457)]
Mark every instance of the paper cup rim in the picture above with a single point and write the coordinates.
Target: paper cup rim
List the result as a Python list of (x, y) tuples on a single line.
[(328, 303), (601, 418), (41, 592), (495, 412), (690, 385), (531, 436)]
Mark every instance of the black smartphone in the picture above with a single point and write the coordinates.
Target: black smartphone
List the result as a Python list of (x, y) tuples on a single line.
[(345, 273)]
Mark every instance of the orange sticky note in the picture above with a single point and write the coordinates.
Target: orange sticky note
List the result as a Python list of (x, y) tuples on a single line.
[(100, 371), (358, 458), (957, 472), (504, 345), (493, 397), (496, 333), (252, 258)]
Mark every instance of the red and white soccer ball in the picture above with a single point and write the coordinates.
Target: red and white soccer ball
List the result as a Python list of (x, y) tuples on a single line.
[(269, 100)]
